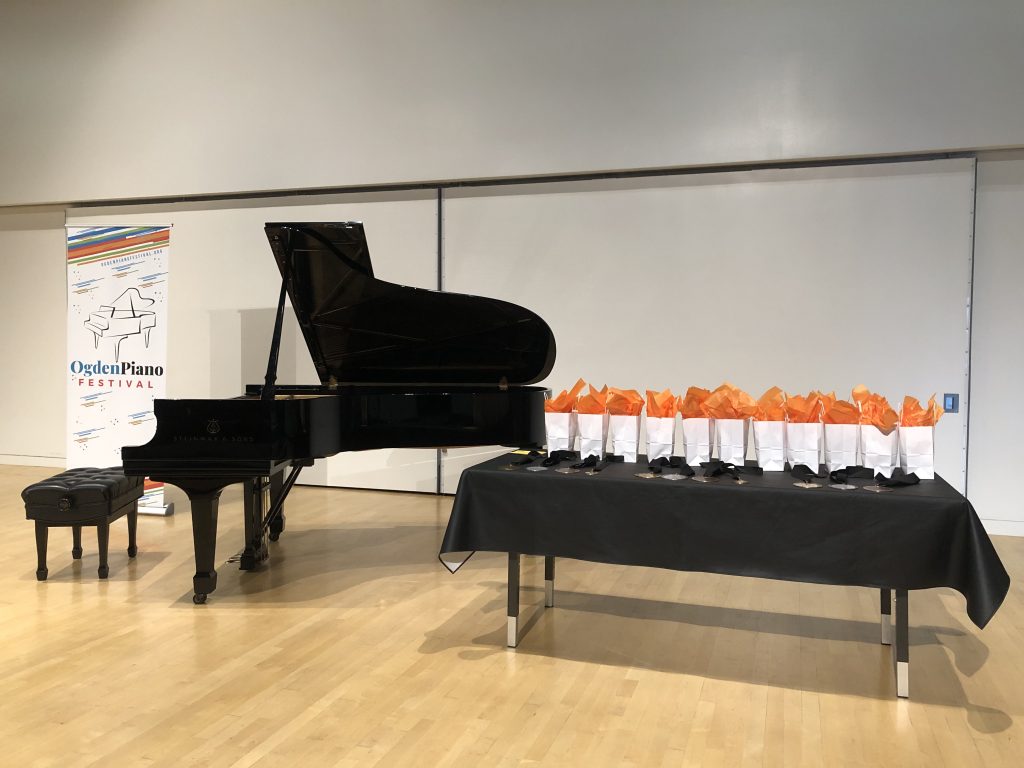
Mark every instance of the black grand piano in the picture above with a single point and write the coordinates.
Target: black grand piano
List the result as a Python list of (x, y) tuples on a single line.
[(399, 367)]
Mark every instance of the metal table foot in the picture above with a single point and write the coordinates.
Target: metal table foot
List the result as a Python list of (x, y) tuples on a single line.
[(513, 600), (549, 582), (886, 616), (901, 651)]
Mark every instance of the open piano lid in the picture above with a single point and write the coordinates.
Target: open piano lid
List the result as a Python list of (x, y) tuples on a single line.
[(361, 330)]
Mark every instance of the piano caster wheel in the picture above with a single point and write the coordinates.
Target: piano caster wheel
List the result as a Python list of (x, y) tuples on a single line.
[(274, 536), (198, 599)]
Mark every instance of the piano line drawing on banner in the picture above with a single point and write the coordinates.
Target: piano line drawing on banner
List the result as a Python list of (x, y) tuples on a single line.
[(122, 318)]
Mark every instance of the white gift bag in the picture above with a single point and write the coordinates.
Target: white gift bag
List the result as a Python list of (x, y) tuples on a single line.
[(661, 433), (561, 431), (842, 446), (803, 444), (593, 428), (770, 445), (625, 434), (697, 440), (731, 440), (881, 452), (917, 451)]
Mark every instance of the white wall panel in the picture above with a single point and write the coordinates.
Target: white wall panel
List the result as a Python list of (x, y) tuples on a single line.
[(819, 278), (224, 286), (997, 420), (118, 98), (33, 297)]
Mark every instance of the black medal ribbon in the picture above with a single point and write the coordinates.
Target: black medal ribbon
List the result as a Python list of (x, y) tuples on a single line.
[(717, 467), (842, 476), (596, 465), (527, 459), (898, 479), (673, 462), (803, 473), (557, 457)]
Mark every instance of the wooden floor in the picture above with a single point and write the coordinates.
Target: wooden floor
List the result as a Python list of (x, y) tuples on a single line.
[(356, 647)]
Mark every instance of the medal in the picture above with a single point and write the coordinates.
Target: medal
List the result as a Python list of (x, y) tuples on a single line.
[(877, 489)]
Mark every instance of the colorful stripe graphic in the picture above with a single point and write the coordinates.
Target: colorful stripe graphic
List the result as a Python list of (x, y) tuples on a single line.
[(102, 243)]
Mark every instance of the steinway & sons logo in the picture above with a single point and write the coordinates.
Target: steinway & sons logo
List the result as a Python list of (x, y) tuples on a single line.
[(123, 375)]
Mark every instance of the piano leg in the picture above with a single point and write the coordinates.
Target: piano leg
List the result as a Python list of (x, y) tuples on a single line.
[(277, 524), (254, 493), (204, 537)]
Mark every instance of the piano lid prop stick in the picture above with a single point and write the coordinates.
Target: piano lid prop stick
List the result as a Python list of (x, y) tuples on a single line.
[(275, 346)]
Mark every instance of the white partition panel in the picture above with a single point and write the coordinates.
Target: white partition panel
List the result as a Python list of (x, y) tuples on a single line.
[(996, 419), (224, 287), (814, 278)]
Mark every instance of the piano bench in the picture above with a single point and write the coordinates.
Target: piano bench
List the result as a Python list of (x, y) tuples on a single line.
[(83, 496)]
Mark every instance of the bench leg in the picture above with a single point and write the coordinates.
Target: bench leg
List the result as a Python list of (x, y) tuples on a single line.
[(76, 546), (103, 538), (41, 536), (886, 616), (549, 582), (133, 522), (513, 600)]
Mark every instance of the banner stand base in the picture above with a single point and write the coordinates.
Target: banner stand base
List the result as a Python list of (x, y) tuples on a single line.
[(157, 511)]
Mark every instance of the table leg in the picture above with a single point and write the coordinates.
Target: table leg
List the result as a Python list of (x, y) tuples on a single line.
[(902, 650), (549, 581), (886, 616), (513, 600)]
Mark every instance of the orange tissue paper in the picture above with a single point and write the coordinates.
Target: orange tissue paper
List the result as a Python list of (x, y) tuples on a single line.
[(771, 406), (661, 405), (624, 402), (838, 411), (729, 402), (565, 402), (593, 401), (804, 410), (875, 409), (913, 415), (692, 405)]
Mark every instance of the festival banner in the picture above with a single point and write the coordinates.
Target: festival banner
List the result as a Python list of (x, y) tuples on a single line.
[(116, 344)]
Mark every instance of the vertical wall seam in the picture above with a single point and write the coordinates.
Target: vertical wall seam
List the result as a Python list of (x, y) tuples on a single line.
[(970, 326)]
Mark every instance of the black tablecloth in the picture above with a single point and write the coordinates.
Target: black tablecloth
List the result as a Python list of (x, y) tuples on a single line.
[(916, 537)]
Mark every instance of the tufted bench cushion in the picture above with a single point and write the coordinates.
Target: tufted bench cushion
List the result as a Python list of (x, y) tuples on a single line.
[(80, 495)]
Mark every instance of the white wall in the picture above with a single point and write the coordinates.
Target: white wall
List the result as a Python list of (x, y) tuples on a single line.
[(120, 98), (33, 299), (997, 360)]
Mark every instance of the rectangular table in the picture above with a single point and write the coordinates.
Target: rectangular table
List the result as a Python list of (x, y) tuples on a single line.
[(915, 537)]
